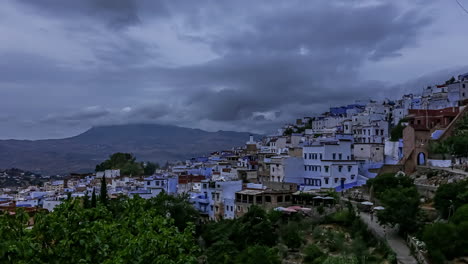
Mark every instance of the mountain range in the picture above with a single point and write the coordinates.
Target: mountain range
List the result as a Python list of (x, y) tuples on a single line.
[(81, 153)]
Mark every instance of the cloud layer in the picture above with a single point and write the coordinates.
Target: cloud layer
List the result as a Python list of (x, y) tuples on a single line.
[(240, 65)]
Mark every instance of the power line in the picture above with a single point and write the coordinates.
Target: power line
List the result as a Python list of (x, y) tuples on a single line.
[(462, 7)]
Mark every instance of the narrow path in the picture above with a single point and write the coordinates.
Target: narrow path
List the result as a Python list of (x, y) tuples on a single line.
[(396, 243)]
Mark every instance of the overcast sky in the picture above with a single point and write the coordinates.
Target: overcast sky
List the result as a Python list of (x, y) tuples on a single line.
[(233, 65)]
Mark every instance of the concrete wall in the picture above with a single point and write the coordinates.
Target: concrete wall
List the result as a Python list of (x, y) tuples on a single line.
[(439, 163)]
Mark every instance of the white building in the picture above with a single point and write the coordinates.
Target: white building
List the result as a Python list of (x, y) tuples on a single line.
[(329, 164), (370, 152), (219, 198)]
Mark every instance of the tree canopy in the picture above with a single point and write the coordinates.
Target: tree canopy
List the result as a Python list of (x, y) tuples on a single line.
[(126, 231), (448, 240), (126, 162), (451, 196), (399, 196)]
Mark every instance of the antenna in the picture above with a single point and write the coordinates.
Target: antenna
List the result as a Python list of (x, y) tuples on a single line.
[(462, 7)]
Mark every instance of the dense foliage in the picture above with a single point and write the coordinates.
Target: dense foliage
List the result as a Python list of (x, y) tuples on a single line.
[(128, 165), (228, 240), (259, 237), (397, 132), (125, 231), (448, 240), (456, 144), (449, 197), (399, 196)]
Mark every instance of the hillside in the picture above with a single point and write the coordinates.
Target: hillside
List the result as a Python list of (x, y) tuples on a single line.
[(81, 153)]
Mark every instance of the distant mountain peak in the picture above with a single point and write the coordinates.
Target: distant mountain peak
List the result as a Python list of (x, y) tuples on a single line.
[(149, 142)]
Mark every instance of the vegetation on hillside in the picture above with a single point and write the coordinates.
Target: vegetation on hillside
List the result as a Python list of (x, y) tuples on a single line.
[(266, 238), (446, 241), (456, 144), (297, 129), (397, 132), (162, 230), (399, 196), (127, 164), (122, 231)]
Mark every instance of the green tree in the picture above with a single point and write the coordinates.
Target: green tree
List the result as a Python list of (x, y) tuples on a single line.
[(258, 254), (126, 162), (312, 253), (397, 132), (291, 235), (135, 233), (86, 203), (388, 181), (150, 168), (256, 228), (450, 81), (461, 215), (103, 195), (439, 238), (401, 208), (450, 197), (93, 199)]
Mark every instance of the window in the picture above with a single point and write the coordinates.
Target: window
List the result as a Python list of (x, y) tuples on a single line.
[(267, 199), (326, 168), (334, 156), (232, 208), (287, 198), (352, 176), (305, 167), (259, 199), (381, 132), (340, 156), (320, 155), (280, 199), (464, 86), (305, 155), (377, 132), (336, 180), (211, 207), (148, 183), (273, 169), (326, 180), (349, 168), (310, 155), (377, 148), (340, 168)]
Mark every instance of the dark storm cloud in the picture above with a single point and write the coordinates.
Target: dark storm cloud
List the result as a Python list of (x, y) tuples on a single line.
[(86, 114), (114, 13), (262, 68), (272, 61), (149, 112)]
